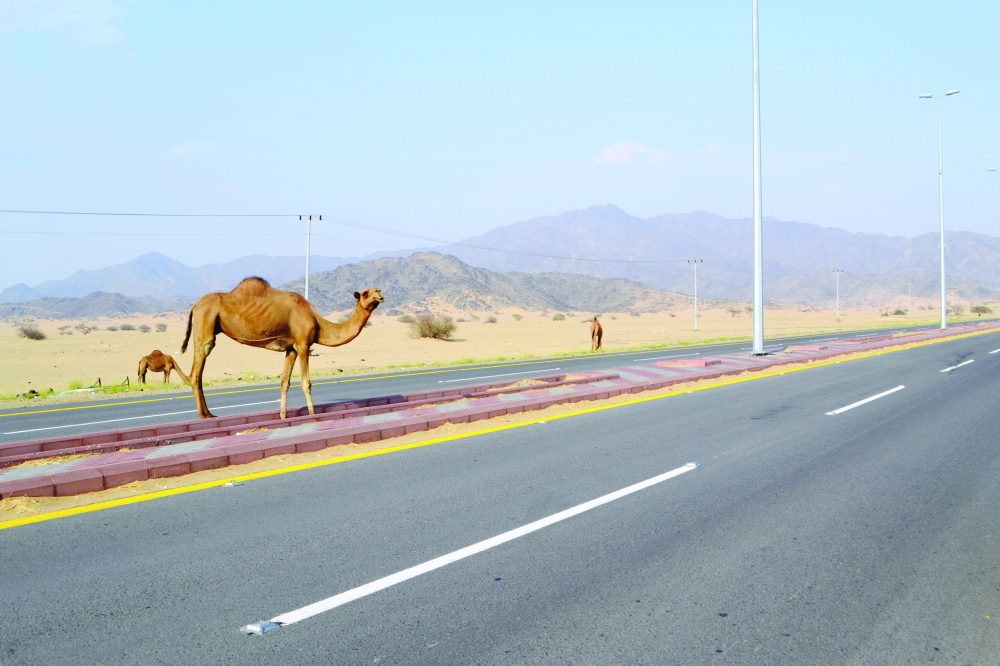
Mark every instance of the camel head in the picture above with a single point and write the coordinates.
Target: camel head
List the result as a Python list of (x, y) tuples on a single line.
[(369, 299)]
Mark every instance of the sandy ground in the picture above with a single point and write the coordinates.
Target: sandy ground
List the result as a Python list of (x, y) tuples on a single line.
[(114, 356), (23, 507)]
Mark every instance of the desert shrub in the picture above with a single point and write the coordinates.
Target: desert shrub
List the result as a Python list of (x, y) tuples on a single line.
[(31, 332), (83, 328), (75, 384), (920, 307), (634, 314), (111, 328), (433, 326), (64, 330), (461, 320), (143, 328), (734, 311), (614, 317), (475, 317), (885, 314), (956, 310), (127, 327), (558, 317), (406, 319), (517, 317), (671, 314), (161, 328), (748, 308), (491, 320), (980, 310), (899, 311)]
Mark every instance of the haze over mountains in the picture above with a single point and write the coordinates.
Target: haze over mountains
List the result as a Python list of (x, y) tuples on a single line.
[(798, 262)]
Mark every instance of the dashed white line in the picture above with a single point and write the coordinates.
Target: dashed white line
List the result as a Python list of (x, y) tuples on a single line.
[(971, 360), (995, 351), (133, 418), (866, 400), (406, 574), (657, 358), (509, 374)]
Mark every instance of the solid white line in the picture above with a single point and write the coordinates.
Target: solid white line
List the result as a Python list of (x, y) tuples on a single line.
[(509, 374), (133, 418), (657, 358), (995, 351), (959, 365), (861, 402), (438, 562)]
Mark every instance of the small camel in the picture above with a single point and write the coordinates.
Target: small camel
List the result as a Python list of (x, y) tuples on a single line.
[(257, 315), (160, 362), (596, 333)]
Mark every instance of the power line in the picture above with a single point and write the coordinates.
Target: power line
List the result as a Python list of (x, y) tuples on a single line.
[(69, 212)]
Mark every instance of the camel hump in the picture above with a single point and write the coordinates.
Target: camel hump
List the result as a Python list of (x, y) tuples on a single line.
[(252, 286), (156, 352)]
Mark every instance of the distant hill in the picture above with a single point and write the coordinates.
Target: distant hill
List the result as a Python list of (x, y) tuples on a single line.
[(875, 291), (157, 276), (410, 283), (725, 245), (97, 304)]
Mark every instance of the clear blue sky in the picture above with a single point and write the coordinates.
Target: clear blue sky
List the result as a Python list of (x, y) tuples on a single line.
[(452, 119)]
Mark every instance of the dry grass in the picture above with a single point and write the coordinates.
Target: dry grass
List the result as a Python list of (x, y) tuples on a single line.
[(42, 462), (114, 355)]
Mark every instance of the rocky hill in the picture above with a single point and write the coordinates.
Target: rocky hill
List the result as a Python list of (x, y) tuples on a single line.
[(410, 283), (98, 304)]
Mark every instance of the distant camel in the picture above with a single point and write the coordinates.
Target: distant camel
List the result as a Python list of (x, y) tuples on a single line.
[(596, 333), (160, 362), (257, 315)]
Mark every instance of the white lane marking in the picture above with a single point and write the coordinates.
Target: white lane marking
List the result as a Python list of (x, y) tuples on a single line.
[(509, 374), (995, 351), (971, 360), (657, 358), (866, 400), (771, 347), (133, 418), (824, 339), (382, 583)]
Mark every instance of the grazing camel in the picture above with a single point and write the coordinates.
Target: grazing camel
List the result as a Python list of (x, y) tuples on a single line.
[(596, 333), (160, 362), (257, 315)]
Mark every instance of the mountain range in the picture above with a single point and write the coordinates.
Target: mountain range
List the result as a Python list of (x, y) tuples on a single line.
[(655, 251), (156, 276), (412, 283)]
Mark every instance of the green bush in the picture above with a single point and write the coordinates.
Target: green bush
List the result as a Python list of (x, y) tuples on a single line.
[(161, 328), (491, 320), (31, 332), (83, 328), (517, 317), (899, 311), (980, 310), (433, 326), (75, 384), (111, 328), (558, 317), (143, 328), (406, 319), (127, 327)]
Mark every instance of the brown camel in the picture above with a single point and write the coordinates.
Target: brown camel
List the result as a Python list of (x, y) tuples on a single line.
[(596, 333), (160, 362), (257, 315)]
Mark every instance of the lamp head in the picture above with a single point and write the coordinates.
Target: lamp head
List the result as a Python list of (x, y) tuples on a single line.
[(991, 169), (952, 92), (926, 96)]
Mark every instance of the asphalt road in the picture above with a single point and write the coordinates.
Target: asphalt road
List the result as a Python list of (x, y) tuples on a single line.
[(57, 420), (868, 537)]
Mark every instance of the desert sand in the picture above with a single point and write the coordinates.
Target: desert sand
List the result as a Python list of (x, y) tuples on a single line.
[(386, 344)]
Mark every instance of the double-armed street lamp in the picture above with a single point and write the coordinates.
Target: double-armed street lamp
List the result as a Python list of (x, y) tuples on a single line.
[(909, 296), (994, 170), (758, 230), (944, 303)]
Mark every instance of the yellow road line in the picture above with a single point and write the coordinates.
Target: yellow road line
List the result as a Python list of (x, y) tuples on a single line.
[(100, 506)]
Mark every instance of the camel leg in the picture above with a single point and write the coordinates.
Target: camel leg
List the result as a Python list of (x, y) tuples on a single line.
[(201, 352), (306, 384), (142, 371), (166, 375), (286, 376)]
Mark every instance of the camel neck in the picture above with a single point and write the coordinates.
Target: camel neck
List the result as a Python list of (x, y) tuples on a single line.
[(333, 335)]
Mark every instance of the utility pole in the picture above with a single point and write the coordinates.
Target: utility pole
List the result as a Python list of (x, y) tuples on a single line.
[(994, 170), (837, 272), (695, 262), (758, 232), (308, 248), (909, 296), (944, 299)]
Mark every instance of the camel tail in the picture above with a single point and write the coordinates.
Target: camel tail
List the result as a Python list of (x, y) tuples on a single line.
[(187, 335)]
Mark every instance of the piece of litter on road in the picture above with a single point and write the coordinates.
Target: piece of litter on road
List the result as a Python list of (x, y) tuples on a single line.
[(259, 628), (542, 422), (232, 484)]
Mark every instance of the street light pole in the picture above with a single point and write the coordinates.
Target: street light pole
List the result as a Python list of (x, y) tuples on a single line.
[(992, 169), (758, 246), (837, 272), (308, 248), (944, 300), (909, 296), (695, 262)]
